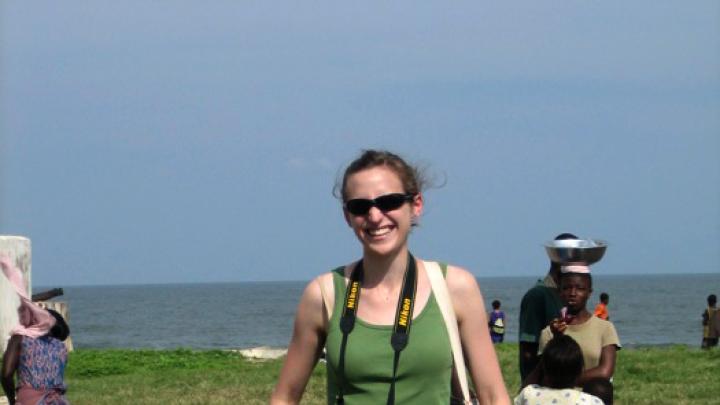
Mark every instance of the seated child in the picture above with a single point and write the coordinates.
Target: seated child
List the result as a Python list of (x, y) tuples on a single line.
[(562, 365), (601, 388)]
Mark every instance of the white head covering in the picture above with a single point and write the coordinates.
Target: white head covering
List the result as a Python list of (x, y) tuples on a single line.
[(578, 268)]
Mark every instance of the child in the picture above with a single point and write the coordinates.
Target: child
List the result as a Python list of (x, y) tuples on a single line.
[(601, 308), (561, 365), (710, 329), (497, 323)]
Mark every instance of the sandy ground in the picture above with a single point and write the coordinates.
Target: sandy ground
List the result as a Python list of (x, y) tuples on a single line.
[(262, 353)]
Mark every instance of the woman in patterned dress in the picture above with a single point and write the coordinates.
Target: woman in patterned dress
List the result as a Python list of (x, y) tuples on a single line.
[(40, 366), (35, 351)]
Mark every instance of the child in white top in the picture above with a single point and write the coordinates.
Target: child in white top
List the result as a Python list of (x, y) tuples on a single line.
[(562, 364)]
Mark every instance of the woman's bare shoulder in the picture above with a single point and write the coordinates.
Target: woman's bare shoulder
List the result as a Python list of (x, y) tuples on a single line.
[(460, 280)]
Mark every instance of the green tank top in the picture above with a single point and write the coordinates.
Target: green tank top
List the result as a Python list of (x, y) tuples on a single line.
[(425, 366)]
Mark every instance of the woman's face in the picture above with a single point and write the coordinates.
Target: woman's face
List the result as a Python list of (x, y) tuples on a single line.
[(380, 233), (575, 291)]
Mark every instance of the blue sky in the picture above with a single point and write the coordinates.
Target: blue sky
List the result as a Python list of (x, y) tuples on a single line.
[(148, 142)]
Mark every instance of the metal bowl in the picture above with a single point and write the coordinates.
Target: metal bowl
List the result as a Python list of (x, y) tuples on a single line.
[(586, 251)]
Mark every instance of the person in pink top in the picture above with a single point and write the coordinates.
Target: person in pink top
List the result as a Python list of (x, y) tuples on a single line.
[(35, 352)]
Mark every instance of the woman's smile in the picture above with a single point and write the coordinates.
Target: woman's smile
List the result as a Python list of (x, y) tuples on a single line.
[(379, 232)]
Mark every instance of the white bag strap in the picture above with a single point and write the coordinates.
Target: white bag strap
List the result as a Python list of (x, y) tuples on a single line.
[(442, 297), (324, 297)]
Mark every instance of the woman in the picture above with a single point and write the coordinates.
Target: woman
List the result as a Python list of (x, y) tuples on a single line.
[(35, 351), (597, 337), (40, 366), (382, 200)]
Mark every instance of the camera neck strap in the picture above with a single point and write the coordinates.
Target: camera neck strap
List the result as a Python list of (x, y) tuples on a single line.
[(401, 326)]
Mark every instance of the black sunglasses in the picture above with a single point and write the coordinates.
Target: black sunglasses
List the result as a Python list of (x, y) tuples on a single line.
[(385, 203)]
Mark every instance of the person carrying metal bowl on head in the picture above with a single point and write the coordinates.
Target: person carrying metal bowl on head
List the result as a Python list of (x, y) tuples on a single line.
[(597, 337), (540, 305), (378, 317)]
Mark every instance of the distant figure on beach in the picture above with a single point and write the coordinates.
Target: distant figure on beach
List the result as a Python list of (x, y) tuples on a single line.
[(378, 317), (562, 365), (540, 305), (711, 323), (597, 338), (496, 323), (35, 351), (601, 308)]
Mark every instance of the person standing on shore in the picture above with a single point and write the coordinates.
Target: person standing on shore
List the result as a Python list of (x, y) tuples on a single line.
[(711, 323), (540, 305), (496, 323), (601, 308), (358, 309)]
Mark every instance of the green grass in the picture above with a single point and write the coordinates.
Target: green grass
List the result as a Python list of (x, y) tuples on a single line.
[(670, 375), (177, 377)]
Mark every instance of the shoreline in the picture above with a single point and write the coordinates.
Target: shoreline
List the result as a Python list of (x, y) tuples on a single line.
[(270, 353)]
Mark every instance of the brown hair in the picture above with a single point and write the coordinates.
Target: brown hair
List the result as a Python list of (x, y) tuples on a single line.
[(411, 177)]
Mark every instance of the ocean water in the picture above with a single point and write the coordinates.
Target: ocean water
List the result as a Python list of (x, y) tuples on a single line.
[(646, 310)]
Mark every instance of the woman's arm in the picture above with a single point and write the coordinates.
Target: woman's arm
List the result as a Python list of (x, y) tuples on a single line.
[(604, 369), (305, 347), (477, 347), (11, 358)]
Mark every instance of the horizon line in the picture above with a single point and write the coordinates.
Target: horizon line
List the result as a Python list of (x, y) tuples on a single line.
[(42, 286)]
